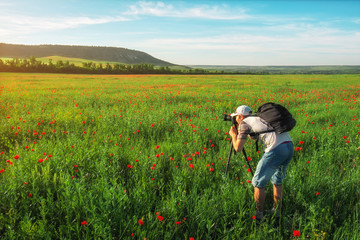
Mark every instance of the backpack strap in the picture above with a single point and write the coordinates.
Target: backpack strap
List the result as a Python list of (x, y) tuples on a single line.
[(256, 134)]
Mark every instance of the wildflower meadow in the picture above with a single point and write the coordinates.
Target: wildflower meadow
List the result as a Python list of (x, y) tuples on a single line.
[(144, 157)]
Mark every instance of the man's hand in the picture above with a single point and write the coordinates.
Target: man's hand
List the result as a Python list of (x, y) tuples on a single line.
[(233, 131), (237, 143)]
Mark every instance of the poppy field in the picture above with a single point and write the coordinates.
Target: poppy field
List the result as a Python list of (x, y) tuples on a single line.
[(144, 157)]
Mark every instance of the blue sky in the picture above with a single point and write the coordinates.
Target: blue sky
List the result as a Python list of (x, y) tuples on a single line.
[(195, 32)]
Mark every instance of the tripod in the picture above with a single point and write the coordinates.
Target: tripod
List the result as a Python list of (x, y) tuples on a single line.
[(229, 157)]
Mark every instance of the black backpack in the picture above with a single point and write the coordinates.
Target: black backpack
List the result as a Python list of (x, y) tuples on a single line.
[(277, 116)]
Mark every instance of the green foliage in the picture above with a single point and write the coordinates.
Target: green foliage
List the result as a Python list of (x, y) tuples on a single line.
[(63, 65), (87, 157)]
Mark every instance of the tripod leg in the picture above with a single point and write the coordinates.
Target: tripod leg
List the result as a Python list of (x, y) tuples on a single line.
[(246, 159), (229, 156)]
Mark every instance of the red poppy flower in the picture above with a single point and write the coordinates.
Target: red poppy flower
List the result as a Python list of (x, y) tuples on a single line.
[(318, 193), (2, 170), (141, 222), (160, 218), (297, 233), (41, 160), (192, 166), (16, 157), (84, 222), (211, 169)]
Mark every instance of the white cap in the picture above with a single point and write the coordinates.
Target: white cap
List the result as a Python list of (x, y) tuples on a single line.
[(242, 110)]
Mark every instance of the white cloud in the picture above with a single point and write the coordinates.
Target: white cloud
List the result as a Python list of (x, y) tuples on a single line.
[(161, 9), (150, 8), (6, 4), (28, 24), (357, 21), (312, 42)]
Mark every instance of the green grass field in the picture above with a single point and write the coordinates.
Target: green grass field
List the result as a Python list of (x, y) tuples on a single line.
[(144, 156)]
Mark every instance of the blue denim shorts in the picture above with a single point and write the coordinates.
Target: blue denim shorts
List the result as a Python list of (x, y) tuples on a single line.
[(273, 165)]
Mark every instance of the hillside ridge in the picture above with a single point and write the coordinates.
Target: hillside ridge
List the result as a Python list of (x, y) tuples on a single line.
[(98, 53)]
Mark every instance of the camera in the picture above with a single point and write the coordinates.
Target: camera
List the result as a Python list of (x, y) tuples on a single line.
[(230, 119), (227, 117)]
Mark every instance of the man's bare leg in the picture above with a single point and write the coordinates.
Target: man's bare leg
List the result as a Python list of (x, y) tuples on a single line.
[(259, 197), (278, 195)]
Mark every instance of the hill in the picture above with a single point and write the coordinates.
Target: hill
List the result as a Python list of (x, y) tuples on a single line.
[(109, 54)]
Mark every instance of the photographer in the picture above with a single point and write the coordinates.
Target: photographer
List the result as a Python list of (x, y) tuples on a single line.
[(273, 164)]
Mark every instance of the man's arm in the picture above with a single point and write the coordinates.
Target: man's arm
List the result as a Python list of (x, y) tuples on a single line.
[(237, 143)]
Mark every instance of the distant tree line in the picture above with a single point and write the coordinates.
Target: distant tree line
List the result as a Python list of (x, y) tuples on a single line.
[(32, 65)]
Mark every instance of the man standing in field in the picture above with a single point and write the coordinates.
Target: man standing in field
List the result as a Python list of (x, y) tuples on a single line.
[(273, 164)]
